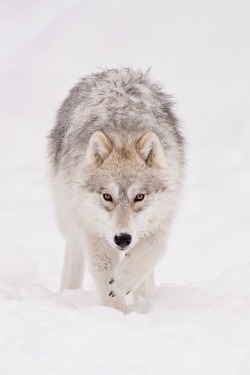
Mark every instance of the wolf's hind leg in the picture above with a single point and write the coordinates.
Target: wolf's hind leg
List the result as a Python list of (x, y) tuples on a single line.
[(146, 288), (72, 274)]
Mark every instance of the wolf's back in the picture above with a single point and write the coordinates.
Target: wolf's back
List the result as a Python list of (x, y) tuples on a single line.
[(119, 102)]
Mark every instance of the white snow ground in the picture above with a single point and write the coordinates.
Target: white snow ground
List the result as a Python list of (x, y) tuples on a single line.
[(198, 321)]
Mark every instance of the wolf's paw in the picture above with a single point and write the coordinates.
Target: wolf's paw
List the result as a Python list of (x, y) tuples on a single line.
[(120, 287), (125, 278), (112, 293)]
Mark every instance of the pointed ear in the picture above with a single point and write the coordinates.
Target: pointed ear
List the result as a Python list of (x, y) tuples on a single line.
[(151, 151), (98, 149)]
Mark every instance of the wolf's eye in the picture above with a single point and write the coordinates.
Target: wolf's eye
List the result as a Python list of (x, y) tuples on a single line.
[(139, 197), (107, 197)]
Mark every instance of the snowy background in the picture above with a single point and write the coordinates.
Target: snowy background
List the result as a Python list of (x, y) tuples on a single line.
[(198, 321)]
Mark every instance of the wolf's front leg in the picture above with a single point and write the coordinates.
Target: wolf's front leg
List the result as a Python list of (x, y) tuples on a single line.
[(103, 260), (72, 274), (146, 288), (134, 269)]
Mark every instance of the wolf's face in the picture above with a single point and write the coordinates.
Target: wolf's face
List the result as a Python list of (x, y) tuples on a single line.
[(127, 187)]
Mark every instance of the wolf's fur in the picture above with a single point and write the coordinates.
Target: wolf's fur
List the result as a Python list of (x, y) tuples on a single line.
[(115, 134)]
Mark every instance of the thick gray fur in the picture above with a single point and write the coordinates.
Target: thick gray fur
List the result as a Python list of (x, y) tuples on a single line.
[(116, 100), (116, 136)]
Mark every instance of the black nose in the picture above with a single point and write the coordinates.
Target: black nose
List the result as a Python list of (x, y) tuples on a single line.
[(123, 240)]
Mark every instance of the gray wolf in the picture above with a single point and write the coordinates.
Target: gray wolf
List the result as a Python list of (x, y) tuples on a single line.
[(117, 160)]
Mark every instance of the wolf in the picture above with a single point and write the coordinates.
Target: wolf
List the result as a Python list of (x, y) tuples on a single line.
[(116, 163)]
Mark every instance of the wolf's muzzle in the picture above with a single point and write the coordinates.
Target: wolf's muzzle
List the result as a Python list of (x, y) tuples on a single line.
[(122, 240)]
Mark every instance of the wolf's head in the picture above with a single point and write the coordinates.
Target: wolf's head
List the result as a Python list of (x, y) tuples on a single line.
[(127, 188)]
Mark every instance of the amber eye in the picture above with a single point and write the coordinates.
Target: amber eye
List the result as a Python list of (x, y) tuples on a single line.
[(107, 197), (139, 197)]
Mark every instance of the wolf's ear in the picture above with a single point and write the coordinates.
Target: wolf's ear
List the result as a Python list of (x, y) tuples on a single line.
[(150, 149), (98, 149)]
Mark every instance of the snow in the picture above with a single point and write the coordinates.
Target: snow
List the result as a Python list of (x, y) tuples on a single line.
[(198, 320)]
